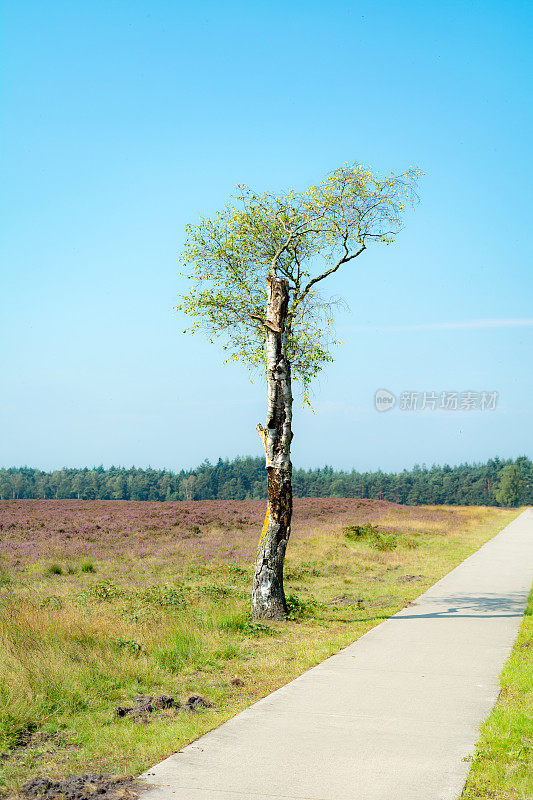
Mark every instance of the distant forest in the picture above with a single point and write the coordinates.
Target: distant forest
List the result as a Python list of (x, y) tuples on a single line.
[(245, 479)]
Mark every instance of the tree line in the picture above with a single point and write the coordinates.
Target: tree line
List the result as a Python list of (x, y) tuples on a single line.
[(496, 482)]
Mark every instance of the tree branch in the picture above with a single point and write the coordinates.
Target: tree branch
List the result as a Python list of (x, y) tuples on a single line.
[(264, 323), (340, 262)]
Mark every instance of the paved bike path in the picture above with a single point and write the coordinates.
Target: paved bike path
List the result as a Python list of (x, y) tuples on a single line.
[(390, 717)]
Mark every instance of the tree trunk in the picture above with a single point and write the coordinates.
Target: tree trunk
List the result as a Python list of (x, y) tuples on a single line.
[(268, 597)]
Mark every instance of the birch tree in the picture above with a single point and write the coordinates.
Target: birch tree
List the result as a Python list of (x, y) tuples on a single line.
[(256, 269)]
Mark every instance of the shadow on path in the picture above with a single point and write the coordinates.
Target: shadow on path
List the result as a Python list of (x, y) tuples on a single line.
[(489, 606)]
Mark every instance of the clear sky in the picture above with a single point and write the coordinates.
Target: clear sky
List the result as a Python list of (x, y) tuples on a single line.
[(123, 121)]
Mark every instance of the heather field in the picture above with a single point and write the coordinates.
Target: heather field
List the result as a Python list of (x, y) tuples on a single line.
[(103, 602), (195, 531)]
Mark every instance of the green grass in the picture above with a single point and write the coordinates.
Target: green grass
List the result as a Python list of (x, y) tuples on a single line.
[(502, 765), (54, 569), (74, 645)]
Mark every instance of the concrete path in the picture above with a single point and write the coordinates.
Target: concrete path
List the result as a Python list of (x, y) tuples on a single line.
[(390, 717)]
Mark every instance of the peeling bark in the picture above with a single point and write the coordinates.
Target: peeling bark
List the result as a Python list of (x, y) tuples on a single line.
[(268, 597)]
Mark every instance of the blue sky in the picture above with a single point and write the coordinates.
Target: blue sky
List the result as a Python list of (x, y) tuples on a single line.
[(123, 121)]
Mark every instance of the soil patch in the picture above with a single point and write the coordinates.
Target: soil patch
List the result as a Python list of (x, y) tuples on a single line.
[(382, 601), (144, 707), (346, 600), (90, 786), (34, 740)]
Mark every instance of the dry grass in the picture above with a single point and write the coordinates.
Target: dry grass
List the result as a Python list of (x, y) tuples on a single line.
[(163, 613)]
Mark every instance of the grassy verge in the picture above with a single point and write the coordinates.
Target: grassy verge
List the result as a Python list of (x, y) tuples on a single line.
[(81, 635), (502, 766)]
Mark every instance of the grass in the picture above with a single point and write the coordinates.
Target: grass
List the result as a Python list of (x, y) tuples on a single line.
[(75, 643), (502, 765)]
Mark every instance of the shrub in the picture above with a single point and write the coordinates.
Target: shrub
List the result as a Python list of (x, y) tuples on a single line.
[(242, 623), (54, 569), (356, 532), (371, 533), (128, 644), (257, 629), (297, 608), (87, 566), (383, 541)]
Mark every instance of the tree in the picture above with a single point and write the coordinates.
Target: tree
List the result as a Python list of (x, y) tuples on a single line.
[(508, 491), (187, 487), (255, 268)]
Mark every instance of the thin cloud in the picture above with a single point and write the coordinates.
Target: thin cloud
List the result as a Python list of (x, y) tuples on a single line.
[(468, 324)]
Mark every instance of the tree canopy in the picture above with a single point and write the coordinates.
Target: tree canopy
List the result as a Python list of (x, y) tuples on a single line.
[(245, 479), (303, 237), (508, 491)]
